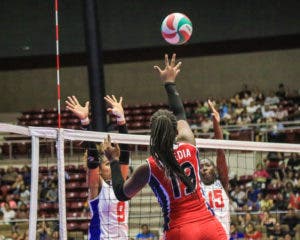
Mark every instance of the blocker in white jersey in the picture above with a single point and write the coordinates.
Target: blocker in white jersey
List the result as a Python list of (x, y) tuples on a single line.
[(109, 220), (214, 179), (218, 200)]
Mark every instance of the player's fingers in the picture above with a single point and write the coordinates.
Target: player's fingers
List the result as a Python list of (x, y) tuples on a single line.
[(177, 71), (158, 69), (178, 65), (121, 100), (87, 104), (166, 60), (114, 98), (71, 101), (69, 108), (70, 105), (109, 109), (75, 100), (173, 59), (108, 99)]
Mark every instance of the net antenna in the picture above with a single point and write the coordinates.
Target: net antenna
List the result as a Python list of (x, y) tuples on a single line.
[(60, 142)]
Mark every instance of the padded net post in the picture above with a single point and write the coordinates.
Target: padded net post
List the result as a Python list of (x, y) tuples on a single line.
[(61, 185), (34, 186)]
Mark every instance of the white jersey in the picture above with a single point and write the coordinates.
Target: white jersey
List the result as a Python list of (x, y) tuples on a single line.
[(218, 200), (109, 219)]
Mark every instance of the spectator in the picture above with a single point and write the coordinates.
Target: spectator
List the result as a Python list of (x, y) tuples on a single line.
[(26, 173), (272, 99), (245, 91), (239, 195), (267, 113), (51, 195), (43, 231), (280, 203), (22, 212), (260, 176), (10, 175), (290, 218), (55, 235), (11, 202), (17, 184), (252, 195), (234, 233), (246, 101), (206, 124), (8, 213), (294, 161), (24, 194), (252, 108), (281, 113), (295, 200), (245, 220), (251, 233), (266, 203), (277, 232), (267, 221), (281, 93), (145, 233)]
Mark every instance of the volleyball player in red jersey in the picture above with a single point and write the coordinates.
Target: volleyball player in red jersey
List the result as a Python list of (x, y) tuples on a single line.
[(172, 170)]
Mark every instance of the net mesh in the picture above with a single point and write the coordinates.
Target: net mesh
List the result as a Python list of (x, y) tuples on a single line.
[(243, 159)]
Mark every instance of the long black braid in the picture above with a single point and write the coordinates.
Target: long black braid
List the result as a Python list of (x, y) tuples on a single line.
[(163, 135)]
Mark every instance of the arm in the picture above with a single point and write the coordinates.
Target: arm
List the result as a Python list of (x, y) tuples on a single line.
[(168, 76), (92, 154), (117, 110), (222, 167), (124, 190)]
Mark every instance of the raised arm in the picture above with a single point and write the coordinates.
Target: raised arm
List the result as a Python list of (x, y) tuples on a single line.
[(124, 189), (117, 110), (168, 76), (92, 154), (222, 167)]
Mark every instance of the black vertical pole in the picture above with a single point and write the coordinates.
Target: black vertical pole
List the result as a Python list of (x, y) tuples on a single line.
[(95, 65)]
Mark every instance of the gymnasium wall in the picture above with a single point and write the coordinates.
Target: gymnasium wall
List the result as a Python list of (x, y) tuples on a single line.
[(201, 77)]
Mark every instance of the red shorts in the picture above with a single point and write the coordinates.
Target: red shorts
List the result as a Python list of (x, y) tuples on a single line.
[(208, 230)]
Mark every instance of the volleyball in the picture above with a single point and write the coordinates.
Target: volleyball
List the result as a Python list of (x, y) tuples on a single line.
[(176, 28)]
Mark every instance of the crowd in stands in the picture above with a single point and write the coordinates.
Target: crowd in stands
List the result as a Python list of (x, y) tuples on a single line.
[(270, 198), (246, 106)]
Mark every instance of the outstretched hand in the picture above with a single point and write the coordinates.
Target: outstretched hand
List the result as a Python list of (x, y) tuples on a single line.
[(112, 151), (169, 73), (74, 106), (116, 107), (215, 113)]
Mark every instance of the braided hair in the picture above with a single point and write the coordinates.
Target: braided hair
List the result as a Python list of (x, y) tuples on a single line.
[(163, 135)]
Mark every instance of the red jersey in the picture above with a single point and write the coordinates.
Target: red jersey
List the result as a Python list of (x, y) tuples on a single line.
[(180, 205)]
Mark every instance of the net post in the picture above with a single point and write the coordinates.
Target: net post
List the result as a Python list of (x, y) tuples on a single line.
[(61, 185), (34, 187)]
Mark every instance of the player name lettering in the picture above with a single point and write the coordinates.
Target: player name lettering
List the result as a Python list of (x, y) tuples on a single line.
[(183, 154)]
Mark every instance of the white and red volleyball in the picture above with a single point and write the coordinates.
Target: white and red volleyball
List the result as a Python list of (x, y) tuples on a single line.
[(176, 28)]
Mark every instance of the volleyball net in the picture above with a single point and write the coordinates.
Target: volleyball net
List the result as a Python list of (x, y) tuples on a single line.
[(59, 190)]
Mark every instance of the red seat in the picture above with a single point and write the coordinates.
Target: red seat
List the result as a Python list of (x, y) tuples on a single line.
[(43, 169), (73, 186), (83, 226), (72, 195), (77, 205), (46, 206), (83, 195), (72, 226)]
